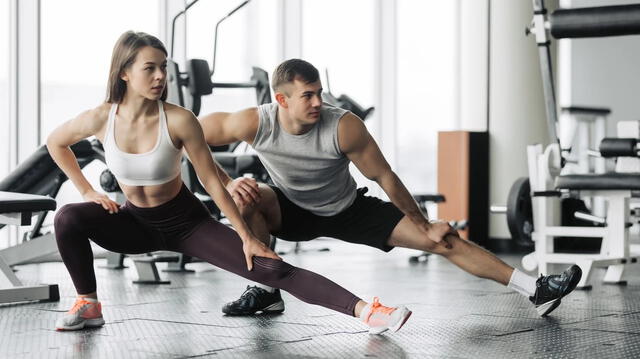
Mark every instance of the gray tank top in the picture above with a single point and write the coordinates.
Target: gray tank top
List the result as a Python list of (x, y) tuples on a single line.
[(309, 169)]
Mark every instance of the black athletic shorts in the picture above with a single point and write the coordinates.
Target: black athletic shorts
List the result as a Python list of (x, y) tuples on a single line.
[(369, 220)]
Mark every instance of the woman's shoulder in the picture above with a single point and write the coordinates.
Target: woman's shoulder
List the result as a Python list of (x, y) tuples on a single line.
[(177, 113), (96, 117)]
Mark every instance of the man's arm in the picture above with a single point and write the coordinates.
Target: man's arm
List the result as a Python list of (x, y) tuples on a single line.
[(222, 128), (358, 145)]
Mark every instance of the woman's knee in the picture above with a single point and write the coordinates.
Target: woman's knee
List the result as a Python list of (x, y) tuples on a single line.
[(74, 217), (67, 216)]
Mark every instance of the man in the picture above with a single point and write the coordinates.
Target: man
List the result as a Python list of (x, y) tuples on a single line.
[(306, 147)]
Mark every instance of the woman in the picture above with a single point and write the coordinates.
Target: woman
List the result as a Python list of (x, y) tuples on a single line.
[(143, 138)]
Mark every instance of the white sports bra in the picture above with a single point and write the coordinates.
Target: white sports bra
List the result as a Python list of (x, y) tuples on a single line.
[(158, 166)]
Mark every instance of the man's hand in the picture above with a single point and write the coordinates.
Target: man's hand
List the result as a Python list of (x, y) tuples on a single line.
[(101, 199), (244, 191), (253, 247), (439, 231)]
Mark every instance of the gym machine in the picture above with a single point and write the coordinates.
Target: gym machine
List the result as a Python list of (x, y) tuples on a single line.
[(545, 210)]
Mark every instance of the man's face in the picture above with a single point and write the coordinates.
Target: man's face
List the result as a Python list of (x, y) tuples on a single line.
[(304, 100)]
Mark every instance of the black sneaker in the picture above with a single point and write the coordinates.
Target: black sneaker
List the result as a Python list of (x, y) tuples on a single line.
[(255, 300), (550, 289)]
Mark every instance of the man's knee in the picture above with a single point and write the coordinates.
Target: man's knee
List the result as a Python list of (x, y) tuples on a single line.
[(457, 245), (267, 201), (430, 246), (246, 209)]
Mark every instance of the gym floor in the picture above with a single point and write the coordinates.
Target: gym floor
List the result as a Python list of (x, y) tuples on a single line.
[(454, 315)]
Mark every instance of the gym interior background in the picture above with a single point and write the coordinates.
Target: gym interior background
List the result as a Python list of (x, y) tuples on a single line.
[(425, 65)]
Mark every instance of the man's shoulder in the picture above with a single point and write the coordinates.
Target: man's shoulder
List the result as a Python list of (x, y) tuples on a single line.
[(265, 116), (351, 132), (330, 111), (243, 124), (267, 111)]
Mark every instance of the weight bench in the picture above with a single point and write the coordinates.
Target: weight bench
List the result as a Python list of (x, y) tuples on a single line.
[(17, 209)]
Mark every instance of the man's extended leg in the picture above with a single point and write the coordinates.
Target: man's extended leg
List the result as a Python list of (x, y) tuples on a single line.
[(484, 264), (545, 292), (263, 218)]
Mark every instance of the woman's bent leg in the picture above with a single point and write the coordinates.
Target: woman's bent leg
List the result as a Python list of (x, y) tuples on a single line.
[(76, 223)]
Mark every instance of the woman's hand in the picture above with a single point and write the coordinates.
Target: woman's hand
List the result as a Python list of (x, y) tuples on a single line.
[(251, 247), (101, 199)]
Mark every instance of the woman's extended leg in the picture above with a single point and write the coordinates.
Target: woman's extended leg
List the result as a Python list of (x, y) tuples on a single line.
[(221, 246)]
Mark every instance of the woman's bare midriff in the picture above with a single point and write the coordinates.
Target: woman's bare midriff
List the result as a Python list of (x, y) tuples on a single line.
[(152, 196)]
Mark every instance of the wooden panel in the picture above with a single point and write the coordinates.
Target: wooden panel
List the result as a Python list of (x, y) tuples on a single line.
[(453, 176)]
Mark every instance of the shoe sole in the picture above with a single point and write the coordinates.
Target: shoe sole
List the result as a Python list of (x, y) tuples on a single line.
[(277, 307), (89, 323), (548, 307), (406, 313), (274, 308)]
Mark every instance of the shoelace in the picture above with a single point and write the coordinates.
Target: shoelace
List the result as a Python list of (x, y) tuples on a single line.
[(249, 292), (376, 307), (546, 281), (79, 304)]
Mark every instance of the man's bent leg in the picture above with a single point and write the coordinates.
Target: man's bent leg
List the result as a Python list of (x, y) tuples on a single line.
[(263, 218)]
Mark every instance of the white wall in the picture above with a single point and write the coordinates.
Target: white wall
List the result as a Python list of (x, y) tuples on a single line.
[(516, 107), (473, 60), (4, 87)]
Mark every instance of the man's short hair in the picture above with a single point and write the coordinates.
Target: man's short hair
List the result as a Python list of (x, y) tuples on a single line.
[(287, 72)]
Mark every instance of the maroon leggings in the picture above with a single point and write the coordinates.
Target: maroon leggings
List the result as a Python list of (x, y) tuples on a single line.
[(181, 225)]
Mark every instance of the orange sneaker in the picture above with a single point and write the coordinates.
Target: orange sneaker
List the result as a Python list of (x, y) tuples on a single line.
[(380, 318), (86, 312)]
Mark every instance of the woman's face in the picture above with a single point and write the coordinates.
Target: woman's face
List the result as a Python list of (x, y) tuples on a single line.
[(147, 74)]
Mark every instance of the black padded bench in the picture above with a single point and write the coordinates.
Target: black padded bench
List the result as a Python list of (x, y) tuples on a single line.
[(17, 209)]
